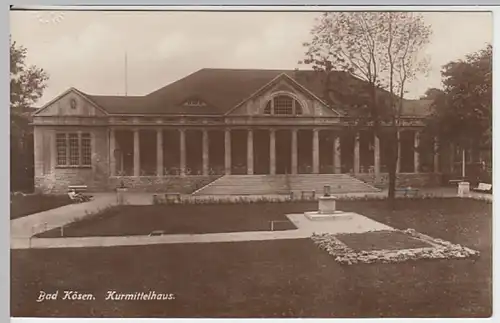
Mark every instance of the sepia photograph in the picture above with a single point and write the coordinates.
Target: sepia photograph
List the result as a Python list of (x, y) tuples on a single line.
[(285, 163)]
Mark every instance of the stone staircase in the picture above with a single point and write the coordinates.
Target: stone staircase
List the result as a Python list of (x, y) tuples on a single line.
[(246, 185), (339, 183), (284, 184)]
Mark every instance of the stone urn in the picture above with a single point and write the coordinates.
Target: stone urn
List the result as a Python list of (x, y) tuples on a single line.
[(327, 190)]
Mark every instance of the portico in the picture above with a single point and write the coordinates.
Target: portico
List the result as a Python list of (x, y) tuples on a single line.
[(323, 154)]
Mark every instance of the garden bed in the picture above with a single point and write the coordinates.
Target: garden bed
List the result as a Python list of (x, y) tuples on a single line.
[(380, 240), (389, 246)]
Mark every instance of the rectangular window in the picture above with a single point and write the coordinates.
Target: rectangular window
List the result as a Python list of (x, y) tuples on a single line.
[(74, 154), (74, 149), (86, 150), (61, 148)]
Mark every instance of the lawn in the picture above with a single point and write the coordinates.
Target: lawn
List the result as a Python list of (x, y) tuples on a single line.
[(179, 219), (280, 278), (22, 205)]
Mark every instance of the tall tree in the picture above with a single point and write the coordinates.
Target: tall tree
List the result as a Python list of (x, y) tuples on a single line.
[(407, 35), (382, 49), (431, 94), (27, 83), (462, 113)]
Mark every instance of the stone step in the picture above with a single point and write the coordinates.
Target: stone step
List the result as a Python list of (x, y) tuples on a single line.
[(284, 184)]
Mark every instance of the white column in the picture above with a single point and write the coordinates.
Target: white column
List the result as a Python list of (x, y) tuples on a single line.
[(452, 157), (182, 146), (436, 155), (250, 152), (227, 151), (356, 153), (294, 152), (272, 151), (137, 153), (337, 164), (205, 152), (376, 152), (112, 148), (159, 152), (315, 151), (416, 154)]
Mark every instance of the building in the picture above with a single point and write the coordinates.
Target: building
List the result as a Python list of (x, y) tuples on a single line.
[(215, 122)]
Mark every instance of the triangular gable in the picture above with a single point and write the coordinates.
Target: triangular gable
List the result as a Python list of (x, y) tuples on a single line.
[(284, 83), (71, 103)]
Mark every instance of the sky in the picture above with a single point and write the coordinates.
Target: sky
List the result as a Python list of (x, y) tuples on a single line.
[(86, 49)]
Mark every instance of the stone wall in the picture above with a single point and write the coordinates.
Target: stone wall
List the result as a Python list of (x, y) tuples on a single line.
[(49, 178), (59, 180), (402, 179)]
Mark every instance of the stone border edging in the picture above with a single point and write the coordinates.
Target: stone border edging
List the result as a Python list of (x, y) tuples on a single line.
[(346, 256)]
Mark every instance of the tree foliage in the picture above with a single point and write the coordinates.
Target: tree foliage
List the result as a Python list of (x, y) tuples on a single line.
[(27, 83), (374, 47), (462, 113)]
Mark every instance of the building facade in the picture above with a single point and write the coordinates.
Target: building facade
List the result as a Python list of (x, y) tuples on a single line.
[(218, 122)]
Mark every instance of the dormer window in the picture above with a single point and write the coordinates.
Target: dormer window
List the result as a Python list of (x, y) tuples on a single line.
[(194, 103), (283, 105)]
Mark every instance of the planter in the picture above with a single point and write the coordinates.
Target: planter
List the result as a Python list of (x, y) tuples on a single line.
[(463, 189), (121, 195)]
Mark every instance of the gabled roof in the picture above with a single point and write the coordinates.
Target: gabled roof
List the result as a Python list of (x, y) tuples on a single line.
[(74, 90), (224, 89)]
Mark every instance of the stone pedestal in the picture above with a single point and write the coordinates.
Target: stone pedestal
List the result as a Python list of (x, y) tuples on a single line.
[(463, 188), (327, 210), (326, 205)]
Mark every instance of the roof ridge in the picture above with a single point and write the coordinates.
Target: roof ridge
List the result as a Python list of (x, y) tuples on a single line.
[(174, 82), (114, 96)]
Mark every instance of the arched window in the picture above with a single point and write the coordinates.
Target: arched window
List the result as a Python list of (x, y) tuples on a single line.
[(298, 108), (283, 105)]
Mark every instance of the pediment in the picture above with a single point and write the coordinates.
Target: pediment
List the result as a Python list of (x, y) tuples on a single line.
[(286, 86), (71, 103)]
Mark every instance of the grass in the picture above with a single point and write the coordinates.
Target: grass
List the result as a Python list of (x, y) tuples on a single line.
[(23, 205), (279, 278), (178, 219), (380, 240)]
